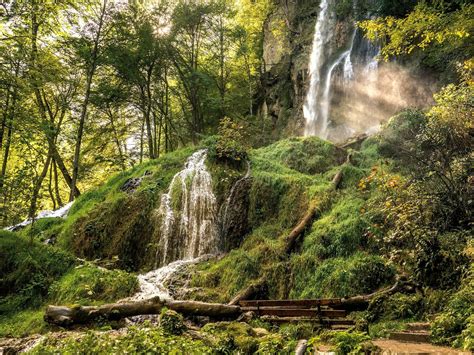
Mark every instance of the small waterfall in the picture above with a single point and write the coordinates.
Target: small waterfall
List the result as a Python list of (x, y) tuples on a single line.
[(188, 214), (322, 33), (59, 213)]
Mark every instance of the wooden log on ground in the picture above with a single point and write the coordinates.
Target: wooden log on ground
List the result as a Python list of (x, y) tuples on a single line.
[(249, 292), (301, 347), (291, 303), (66, 316)]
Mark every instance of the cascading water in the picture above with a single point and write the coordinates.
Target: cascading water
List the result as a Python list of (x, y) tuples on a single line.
[(188, 213), (188, 233), (347, 91), (154, 283), (326, 98), (59, 213), (322, 33)]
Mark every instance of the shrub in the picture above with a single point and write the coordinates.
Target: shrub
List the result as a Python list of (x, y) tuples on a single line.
[(454, 326), (172, 322), (231, 144)]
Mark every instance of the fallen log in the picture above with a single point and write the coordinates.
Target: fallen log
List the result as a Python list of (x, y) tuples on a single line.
[(249, 292), (362, 301), (301, 347), (66, 316)]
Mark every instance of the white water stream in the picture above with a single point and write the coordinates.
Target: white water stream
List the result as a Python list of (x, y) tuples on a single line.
[(191, 231), (59, 213), (322, 34)]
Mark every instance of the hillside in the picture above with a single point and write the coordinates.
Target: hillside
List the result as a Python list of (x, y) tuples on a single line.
[(236, 177)]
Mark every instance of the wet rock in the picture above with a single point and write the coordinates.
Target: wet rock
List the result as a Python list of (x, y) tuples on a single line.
[(131, 184)]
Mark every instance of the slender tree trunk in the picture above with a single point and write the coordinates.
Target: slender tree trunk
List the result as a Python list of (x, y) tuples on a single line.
[(147, 111), (117, 140), (142, 133), (37, 186), (9, 128), (5, 115), (50, 186), (6, 152), (56, 184), (222, 88), (85, 104)]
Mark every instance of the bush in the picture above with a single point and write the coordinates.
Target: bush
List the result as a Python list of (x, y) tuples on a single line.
[(344, 342), (231, 144), (454, 326), (172, 322)]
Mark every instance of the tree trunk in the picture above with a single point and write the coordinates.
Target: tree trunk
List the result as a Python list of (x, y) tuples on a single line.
[(37, 186), (85, 104), (65, 316), (56, 184)]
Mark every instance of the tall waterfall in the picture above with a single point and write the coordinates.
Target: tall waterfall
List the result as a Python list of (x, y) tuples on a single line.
[(348, 92), (188, 213), (322, 33), (325, 102)]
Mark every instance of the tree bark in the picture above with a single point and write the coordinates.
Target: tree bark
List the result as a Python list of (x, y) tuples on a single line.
[(65, 316)]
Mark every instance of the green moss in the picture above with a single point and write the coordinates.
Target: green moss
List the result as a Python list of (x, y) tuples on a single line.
[(88, 284), (43, 229), (338, 277), (235, 335), (23, 323), (27, 269), (306, 155), (109, 223), (339, 231)]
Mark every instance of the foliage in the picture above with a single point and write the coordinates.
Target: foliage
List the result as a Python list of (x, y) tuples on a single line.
[(231, 143), (172, 322), (135, 340), (424, 209), (344, 342), (442, 29), (454, 325)]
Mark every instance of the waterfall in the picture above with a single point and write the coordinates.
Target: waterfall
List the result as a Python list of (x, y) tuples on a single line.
[(322, 33), (326, 98), (339, 85), (188, 214)]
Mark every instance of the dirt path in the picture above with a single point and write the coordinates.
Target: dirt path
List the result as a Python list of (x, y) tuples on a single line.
[(393, 347)]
